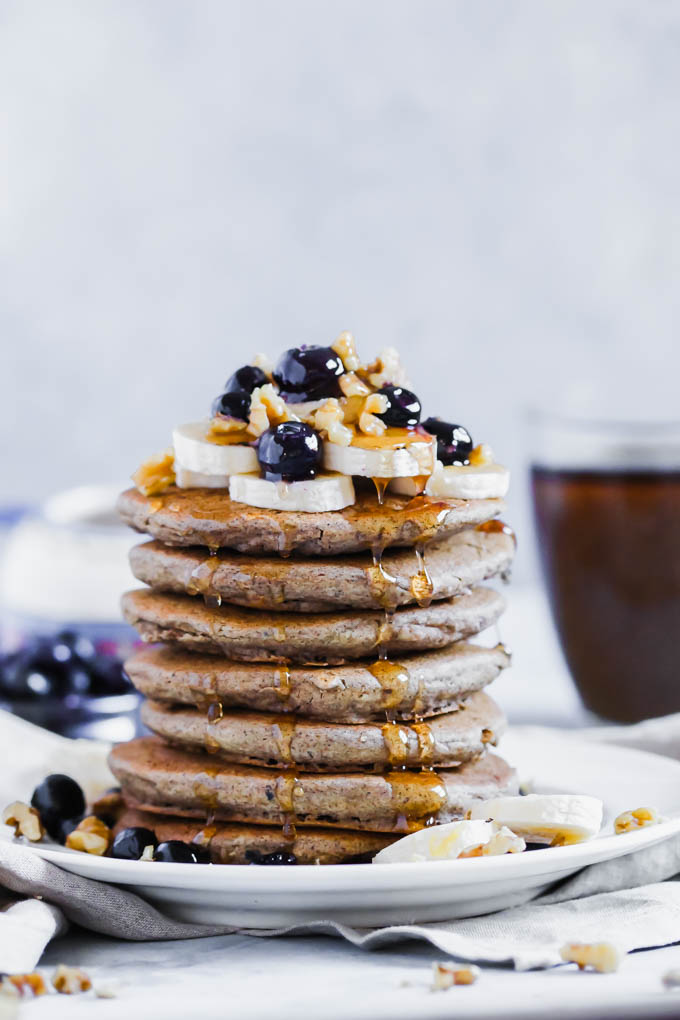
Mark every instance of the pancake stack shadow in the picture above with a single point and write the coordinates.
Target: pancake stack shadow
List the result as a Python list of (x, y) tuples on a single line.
[(310, 682)]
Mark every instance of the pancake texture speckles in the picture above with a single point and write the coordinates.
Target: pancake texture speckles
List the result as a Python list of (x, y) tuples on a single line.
[(207, 517), (421, 684), (159, 778), (260, 636), (324, 583)]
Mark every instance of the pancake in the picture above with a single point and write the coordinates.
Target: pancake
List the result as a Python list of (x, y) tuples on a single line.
[(163, 779), (207, 517), (260, 636), (421, 684), (230, 843), (280, 741), (322, 584)]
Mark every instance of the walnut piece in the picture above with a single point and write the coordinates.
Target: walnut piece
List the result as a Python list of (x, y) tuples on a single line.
[(25, 819), (18, 985), (600, 956), (445, 975), (92, 835), (374, 404), (329, 419), (267, 408), (639, 818), (156, 474), (70, 980), (345, 347), (386, 369), (352, 386)]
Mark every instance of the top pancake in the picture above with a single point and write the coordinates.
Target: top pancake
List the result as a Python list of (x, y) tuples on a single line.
[(209, 518)]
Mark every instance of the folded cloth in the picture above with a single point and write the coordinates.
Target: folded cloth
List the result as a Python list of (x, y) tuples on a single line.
[(626, 901)]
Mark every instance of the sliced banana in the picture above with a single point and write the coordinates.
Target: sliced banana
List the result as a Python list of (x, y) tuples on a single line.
[(556, 818), (402, 459), (185, 479), (453, 481), (447, 842), (195, 453), (317, 495)]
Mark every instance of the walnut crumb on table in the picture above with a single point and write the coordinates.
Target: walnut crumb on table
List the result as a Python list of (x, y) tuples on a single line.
[(603, 957), (70, 980), (445, 975)]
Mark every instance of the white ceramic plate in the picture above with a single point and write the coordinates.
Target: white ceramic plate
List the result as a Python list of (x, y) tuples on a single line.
[(368, 895)]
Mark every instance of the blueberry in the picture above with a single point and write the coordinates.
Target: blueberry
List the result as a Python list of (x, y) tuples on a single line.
[(277, 858), (454, 443), (78, 680), (308, 373), (245, 379), (79, 646), (57, 799), (403, 409), (31, 673), (108, 676), (129, 844), (290, 452), (177, 852), (232, 405)]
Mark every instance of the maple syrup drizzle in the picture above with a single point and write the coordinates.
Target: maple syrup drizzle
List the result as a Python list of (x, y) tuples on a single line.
[(488, 736), (238, 437), (394, 680), (396, 740), (422, 586), (205, 791), (205, 837), (282, 681), (154, 506), (418, 798), (383, 584), (426, 743), (286, 788), (283, 731), (380, 488), (201, 581), (498, 527), (214, 713)]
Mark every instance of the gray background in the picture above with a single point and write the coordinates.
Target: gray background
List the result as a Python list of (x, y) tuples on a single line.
[(491, 186)]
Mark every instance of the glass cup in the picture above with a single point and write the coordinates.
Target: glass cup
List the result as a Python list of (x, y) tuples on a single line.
[(606, 497)]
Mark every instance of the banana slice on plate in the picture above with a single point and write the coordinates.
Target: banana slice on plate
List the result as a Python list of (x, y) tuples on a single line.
[(194, 453), (447, 842), (410, 455), (315, 495), (453, 481), (556, 818)]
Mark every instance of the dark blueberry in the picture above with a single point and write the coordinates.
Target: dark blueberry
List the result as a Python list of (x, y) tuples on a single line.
[(57, 799), (78, 680), (232, 405), (245, 379), (454, 443), (108, 676), (403, 410), (79, 646), (129, 844), (31, 673), (176, 852), (276, 858), (290, 452), (308, 373)]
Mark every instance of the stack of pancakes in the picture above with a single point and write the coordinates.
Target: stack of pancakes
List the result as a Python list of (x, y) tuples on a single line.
[(310, 683)]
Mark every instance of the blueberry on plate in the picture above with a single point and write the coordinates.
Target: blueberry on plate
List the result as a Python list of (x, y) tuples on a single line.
[(57, 799), (308, 373), (245, 379), (32, 673), (232, 405), (403, 408), (108, 676), (277, 858), (454, 443), (130, 844), (290, 452), (79, 646), (174, 851)]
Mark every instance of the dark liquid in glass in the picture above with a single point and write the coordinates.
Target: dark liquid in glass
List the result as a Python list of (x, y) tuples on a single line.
[(610, 549)]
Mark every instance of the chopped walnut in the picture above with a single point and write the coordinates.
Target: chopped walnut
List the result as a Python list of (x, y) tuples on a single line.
[(92, 835), (481, 455), (18, 985), (352, 386), (386, 369), (445, 975), (601, 956), (263, 362), (110, 804), (267, 408), (346, 348), (156, 474), (221, 424), (25, 819), (329, 419), (70, 980), (375, 403), (640, 818)]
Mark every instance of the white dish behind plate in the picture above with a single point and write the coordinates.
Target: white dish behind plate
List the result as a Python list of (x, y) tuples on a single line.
[(370, 895)]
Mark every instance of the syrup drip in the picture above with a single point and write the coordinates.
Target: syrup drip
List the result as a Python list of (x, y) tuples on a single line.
[(418, 797), (205, 837), (396, 740), (282, 682), (383, 585), (385, 633), (154, 506), (286, 538), (286, 789), (236, 438), (380, 488), (488, 736), (426, 742), (498, 527), (202, 580), (283, 732), (394, 680), (205, 791), (422, 586), (214, 714)]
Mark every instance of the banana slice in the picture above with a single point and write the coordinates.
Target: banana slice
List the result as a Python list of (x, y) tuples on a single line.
[(556, 818), (195, 453), (317, 495), (383, 456), (447, 842), (453, 481), (185, 479)]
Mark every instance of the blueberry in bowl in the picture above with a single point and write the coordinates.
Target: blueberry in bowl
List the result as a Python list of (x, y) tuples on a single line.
[(130, 844), (290, 452), (403, 408), (277, 858), (174, 851), (454, 442), (308, 373)]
